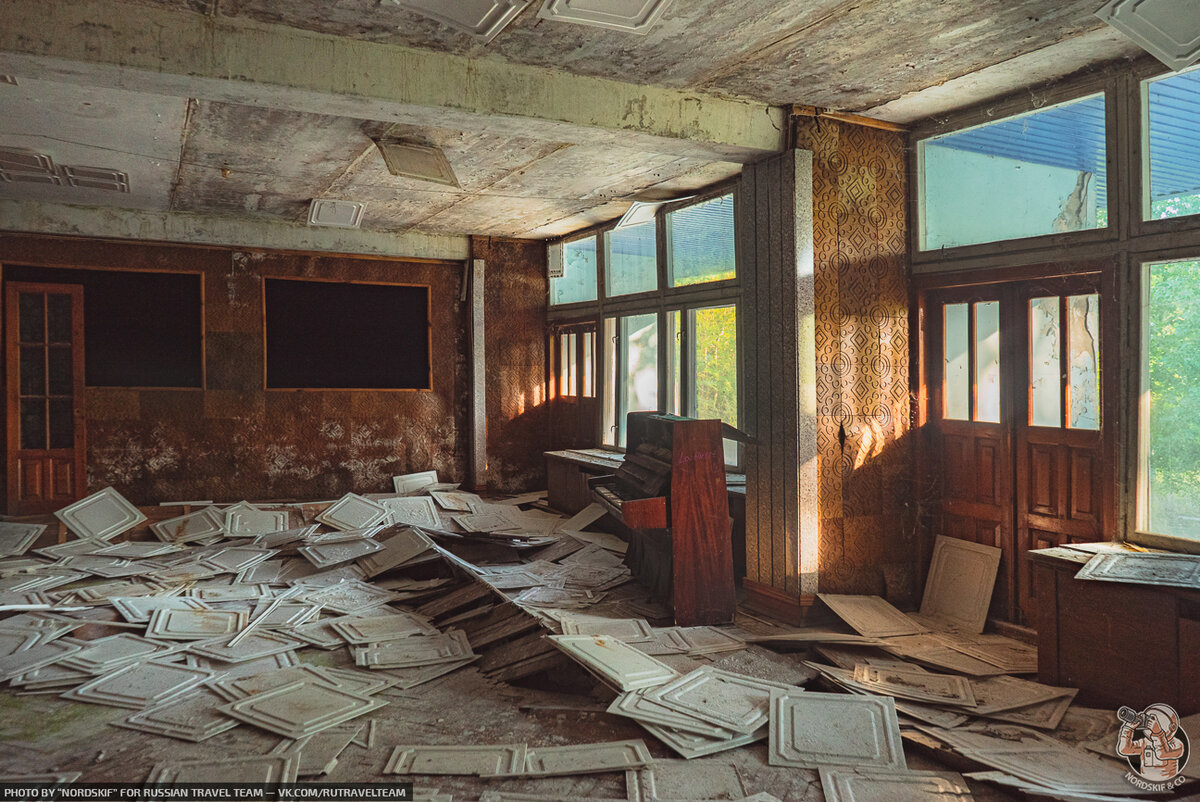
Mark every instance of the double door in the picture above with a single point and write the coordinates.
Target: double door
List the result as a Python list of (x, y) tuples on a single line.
[(1018, 456)]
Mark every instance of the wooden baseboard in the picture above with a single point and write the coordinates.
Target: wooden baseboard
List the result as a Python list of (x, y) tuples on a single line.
[(778, 604)]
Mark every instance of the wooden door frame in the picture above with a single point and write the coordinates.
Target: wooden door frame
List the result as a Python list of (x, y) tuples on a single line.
[(12, 292), (926, 375)]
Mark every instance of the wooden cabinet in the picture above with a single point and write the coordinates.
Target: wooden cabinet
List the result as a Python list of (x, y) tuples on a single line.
[(1120, 644)]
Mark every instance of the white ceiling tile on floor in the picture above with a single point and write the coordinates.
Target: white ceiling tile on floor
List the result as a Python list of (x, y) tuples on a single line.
[(301, 708), (871, 616), (100, 516), (733, 701), (499, 760), (958, 588), (549, 761), (140, 685), (867, 732), (353, 511), (191, 716), (848, 785), (180, 623), (622, 665), (271, 769), (245, 520)]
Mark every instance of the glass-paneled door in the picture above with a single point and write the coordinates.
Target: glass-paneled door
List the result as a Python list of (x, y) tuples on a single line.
[(44, 353)]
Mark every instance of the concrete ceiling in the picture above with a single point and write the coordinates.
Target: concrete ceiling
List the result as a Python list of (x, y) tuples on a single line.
[(258, 128)]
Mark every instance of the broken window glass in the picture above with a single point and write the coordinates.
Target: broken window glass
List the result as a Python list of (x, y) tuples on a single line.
[(956, 404), (1083, 342), (1045, 373)]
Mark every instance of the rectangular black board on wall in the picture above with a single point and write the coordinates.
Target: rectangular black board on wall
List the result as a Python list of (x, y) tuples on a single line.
[(346, 336)]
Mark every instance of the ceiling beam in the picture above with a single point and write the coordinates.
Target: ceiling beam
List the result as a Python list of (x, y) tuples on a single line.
[(241, 232), (180, 53)]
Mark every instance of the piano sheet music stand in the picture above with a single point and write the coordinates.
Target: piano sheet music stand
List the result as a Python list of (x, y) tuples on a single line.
[(680, 542)]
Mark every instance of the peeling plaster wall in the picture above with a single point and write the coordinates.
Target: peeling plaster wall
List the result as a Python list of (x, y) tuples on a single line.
[(518, 417), (234, 439), (867, 531)]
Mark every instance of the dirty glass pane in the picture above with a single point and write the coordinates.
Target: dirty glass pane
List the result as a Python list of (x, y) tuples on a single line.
[(32, 317), (1083, 349), (1037, 173), (58, 317), (33, 423), (1170, 405), (701, 242), (632, 263), (60, 371), (563, 386), (572, 361), (714, 339), (609, 428), (33, 370), (1173, 181), (956, 404), (674, 393), (987, 361), (62, 424), (1045, 371), (589, 376), (578, 282), (639, 347)]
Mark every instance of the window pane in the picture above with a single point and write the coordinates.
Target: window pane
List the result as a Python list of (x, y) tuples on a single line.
[(563, 378), (609, 427), (58, 317), (578, 282), (62, 423), (1045, 371), (639, 349), (1173, 110), (61, 370), (1170, 428), (1037, 173), (675, 353), (1083, 349), (31, 314), (987, 362), (33, 370), (714, 338), (632, 263), (956, 404), (702, 242), (33, 423), (589, 376), (572, 358)]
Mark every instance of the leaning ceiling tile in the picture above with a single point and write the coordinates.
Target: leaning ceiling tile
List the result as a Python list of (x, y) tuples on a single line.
[(633, 16), (1168, 29), (482, 18), (413, 160)]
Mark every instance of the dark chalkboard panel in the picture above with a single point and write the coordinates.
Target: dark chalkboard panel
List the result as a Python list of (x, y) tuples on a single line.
[(139, 329), (331, 335)]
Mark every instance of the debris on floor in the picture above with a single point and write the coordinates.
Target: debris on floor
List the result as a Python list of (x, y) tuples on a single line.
[(317, 627)]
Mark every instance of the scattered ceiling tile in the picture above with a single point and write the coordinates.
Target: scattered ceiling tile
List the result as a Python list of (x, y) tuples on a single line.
[(412, 160), (634, 16), (335, 213), (1168, 29), (482, 18)]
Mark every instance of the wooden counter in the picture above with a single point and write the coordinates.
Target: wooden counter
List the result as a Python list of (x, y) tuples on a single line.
[(1120, 644)]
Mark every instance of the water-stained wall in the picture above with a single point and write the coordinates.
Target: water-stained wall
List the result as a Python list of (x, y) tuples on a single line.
[(867, 538), (233, 439), (518, 418)]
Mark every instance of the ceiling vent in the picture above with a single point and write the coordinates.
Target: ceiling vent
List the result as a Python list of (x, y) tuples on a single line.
[(413, 160), (632, 16), (482, 18), (27, 166), (1168, 29), (335, 213), (95, 178)]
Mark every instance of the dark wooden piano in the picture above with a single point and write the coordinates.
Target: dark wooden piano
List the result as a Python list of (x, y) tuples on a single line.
[(670, 494)]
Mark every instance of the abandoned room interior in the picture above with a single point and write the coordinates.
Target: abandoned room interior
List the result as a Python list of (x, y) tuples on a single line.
[(516, 400)]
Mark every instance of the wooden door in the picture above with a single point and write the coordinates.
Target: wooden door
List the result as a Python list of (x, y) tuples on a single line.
[(1060, 454), (971, 444), (44, 377), (572, 388)]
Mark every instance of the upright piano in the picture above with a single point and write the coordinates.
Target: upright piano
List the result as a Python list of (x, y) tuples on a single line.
[(670, 494)]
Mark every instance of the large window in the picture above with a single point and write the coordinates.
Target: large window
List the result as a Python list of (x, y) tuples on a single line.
[(668, 332), (1169, 431), (1171, 114), (1038, 173)]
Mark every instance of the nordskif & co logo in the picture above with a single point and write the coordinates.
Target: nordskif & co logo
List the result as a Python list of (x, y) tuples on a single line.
[(1155, 746)]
